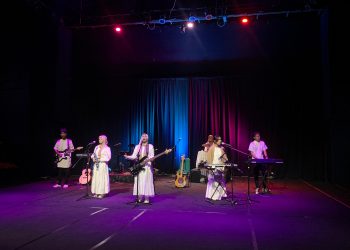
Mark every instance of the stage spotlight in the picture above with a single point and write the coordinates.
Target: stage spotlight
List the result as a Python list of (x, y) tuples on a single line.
[(209, 17), (244, 20), (162, 21), (192, 19), (190, 25), (118, 29)]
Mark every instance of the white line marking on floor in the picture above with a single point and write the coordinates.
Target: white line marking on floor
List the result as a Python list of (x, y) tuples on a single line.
[(214, 213), (103, 242), (201, 212), (138, 216), (326, 194), (99, 211), (112, 235), (254, 242)]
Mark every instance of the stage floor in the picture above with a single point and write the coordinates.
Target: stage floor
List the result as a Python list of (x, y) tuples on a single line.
[(294, 216)]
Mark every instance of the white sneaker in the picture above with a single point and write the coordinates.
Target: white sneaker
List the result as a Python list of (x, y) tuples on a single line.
[(257, 191), (65, 186), (57, 186)]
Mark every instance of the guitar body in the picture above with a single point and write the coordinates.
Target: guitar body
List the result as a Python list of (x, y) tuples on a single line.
[(65, 154), (85, 177), (181, 180), (138, 166)]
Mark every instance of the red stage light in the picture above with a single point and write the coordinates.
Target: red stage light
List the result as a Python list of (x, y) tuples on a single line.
[(244, 20), (118, 29)]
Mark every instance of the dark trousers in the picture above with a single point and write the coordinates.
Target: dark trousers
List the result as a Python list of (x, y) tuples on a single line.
[(63, 175), (260, 168)]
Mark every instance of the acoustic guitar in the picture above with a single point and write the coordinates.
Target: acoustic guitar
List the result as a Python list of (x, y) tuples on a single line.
[(181, 180), (85, 176)]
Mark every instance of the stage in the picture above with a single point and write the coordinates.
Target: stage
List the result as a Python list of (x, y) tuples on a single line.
[(294, 216)]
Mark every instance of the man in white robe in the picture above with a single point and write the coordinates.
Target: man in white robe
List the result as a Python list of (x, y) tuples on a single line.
[(143, 182)]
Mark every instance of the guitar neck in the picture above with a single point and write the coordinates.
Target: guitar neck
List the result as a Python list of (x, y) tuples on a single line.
[(182, 167), (154, 157)]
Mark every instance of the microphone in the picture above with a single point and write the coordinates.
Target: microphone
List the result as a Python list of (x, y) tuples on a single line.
[(118, 144), (225, 144), (91, 143)]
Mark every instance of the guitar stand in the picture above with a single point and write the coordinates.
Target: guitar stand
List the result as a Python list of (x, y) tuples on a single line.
[(87, 194)]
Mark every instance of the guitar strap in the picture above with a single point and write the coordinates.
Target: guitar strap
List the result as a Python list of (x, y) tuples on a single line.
[(140, 149)]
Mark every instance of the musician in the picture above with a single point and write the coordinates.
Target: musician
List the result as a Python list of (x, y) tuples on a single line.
[(258, 150), (144, 180), (100, 175), (216, 155), (64, 164), (209, 143), (202, 155)]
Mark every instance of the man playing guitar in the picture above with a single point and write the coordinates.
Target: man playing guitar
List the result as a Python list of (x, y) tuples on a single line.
[(143, 182), (63, 148)]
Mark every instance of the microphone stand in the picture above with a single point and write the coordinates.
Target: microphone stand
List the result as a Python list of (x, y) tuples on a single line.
[(87, 194), (249, 169)]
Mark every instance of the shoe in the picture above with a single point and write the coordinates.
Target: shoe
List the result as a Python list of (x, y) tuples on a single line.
[(100, 196), (65, 186), (146, 202), (257, 191), (56, 186)]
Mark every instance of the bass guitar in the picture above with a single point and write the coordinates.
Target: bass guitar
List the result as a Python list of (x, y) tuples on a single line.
[(181, 180), (64, 154), (139, 166)]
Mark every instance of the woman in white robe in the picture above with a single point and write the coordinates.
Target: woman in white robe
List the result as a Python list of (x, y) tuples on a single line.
[(100, 176), (216, 155), (143, 182)]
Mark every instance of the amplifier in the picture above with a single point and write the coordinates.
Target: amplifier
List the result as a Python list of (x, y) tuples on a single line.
[(197, 177)]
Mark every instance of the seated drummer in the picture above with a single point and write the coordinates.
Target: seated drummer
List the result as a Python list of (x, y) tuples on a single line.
[(209, 143)]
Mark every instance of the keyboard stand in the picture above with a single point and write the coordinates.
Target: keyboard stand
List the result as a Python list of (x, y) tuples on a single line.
[(231, 200)]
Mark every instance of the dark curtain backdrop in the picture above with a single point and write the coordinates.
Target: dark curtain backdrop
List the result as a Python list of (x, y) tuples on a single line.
[(191, 108)]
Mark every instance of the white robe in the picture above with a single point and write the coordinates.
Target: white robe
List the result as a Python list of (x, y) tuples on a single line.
[(100, 176), (145, 177), (214, 176)]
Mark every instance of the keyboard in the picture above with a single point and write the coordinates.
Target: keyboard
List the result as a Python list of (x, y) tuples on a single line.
[(213, 166), (266, 161)]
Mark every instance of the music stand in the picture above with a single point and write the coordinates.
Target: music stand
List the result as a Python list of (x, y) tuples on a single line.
[(249, 199), (87, 194)]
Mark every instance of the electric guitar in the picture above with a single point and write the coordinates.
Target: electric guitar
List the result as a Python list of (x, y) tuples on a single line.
[(64, 154), (139, 166), (181, 180)]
